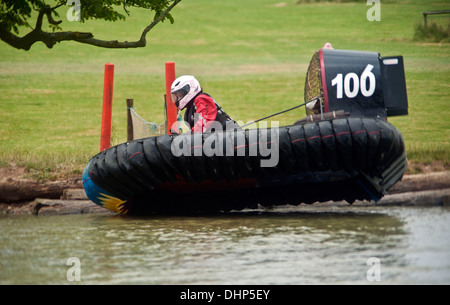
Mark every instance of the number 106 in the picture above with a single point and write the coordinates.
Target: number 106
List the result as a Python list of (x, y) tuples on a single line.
[(351, 84)]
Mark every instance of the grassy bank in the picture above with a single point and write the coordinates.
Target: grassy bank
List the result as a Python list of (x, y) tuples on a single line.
[(250, 55)]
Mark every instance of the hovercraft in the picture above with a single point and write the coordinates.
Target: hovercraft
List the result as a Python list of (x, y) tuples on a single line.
[(343, 150)]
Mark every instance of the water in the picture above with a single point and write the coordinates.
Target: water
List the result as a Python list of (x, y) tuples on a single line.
[(301, 245)]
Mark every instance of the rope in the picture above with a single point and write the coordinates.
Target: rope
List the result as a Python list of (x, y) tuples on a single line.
[(269, 116)]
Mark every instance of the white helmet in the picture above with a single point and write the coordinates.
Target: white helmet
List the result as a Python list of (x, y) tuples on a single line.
[(184, 89)]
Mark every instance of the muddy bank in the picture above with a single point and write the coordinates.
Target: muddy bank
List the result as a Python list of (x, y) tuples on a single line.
[(66, 196), (422, 182)]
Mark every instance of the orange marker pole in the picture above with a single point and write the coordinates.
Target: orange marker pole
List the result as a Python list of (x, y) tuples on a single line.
[(105, 138), (170, 106)]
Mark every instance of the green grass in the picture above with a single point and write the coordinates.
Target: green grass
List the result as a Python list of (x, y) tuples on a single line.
[(432, 32), (251, 55)]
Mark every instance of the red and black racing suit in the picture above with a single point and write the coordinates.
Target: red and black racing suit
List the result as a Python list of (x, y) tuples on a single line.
[(208, 111)]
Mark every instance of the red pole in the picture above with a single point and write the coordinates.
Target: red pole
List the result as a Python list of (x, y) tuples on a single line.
[(105, 139), (171, 108)]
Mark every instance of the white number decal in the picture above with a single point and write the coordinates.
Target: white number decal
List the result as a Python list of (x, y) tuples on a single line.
[(367, 73), (337, 81), (351, 84), (349, 92)]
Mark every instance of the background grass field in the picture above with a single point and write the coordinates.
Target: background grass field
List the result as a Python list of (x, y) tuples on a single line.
[(250, 55)]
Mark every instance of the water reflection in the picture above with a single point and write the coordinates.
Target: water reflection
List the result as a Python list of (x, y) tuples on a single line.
[(239, 248)]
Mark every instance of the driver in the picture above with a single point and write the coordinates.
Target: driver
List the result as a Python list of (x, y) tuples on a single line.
[(201, 109)]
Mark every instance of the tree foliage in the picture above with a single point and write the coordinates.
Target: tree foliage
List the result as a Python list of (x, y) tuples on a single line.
[(15, 15)]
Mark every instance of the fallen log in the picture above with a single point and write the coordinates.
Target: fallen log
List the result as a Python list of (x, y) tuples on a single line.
[(25, 190)]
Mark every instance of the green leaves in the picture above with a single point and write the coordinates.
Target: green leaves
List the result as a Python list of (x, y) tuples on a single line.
[(17, 13), (113, 10), (14, 14)]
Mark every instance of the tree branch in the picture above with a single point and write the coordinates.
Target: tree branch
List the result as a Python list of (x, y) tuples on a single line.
[(111, 44), (50, 18), (159, 19), (142, 42), (38, 26), (50, 39)]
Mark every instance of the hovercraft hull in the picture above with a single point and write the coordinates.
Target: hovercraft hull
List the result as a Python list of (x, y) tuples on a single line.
[(350, 158)]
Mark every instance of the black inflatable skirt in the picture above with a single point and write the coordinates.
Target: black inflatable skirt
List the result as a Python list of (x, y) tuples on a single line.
[(349, 158)]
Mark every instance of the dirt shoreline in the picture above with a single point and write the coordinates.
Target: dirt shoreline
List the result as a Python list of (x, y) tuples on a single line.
[(22, 195)]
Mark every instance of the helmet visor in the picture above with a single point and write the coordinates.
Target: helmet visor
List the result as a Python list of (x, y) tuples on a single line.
[(177, 95), (175, 98)]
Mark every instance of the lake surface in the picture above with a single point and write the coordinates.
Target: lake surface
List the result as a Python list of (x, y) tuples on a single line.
[(294, 245)]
